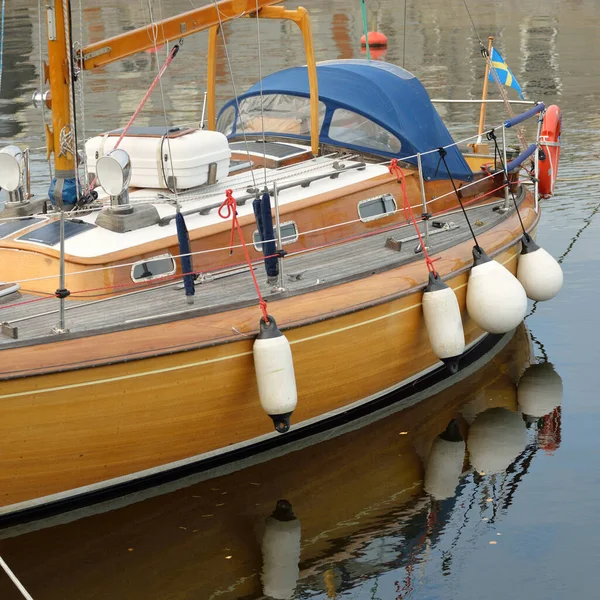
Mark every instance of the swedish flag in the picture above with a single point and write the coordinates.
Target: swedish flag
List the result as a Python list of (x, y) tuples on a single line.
[(504, 73)]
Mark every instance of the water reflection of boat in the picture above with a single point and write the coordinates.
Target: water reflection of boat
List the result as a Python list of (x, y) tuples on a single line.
[(361, 503)]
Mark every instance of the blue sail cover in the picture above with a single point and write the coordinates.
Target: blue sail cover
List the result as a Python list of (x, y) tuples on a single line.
[(385, 94)]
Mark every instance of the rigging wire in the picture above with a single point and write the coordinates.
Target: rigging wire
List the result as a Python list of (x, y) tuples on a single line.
[(262, 109), (492, 69), (81, 96), (162, 95), (491, 135), (404, 38), (72, 113), (443, 153), (235, 94), (41, 73), (2, 41)]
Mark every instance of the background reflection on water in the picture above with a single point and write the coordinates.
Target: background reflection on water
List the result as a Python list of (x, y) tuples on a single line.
[(368, 527)]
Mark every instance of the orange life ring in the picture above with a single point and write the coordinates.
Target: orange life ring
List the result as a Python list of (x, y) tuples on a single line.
[(550, 145)]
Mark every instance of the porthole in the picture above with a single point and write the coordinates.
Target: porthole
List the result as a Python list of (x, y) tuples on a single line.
[(289, 235), (376, 208), (153, 268)]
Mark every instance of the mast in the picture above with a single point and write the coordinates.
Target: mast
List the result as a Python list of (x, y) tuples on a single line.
[(58, 74), (479, 146)]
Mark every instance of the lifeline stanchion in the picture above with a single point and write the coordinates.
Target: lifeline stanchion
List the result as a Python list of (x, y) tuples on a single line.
[(14, 579)]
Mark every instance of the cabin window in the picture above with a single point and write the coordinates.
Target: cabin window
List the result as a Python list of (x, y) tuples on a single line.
[(281, 113), (376, 208), (153, 268), (289, 235), (351, 128)]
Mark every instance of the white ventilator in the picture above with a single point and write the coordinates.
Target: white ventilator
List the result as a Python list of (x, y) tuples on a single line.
[(540, 390), (496, 437), (496, 301), (538, 271), (275, 376), (281, 552), (445, 463), (443, 322)]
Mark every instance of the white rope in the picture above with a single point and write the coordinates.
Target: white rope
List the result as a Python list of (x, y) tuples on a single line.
[(14, 579)]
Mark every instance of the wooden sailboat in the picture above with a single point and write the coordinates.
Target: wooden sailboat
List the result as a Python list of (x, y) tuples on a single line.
[(320, 180)]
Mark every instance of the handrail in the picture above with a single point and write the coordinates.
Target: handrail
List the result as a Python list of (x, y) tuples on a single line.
[(252, 192), (519, 160), (524, 116), (482, 101)]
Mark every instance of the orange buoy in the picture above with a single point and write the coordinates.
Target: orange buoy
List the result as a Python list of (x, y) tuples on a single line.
[(550, 145), (376, 53), (376, 39)]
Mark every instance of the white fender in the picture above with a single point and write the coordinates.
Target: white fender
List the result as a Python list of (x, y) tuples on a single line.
[(496, 437), (445, 464), (496, 301), (443, 322), (540, 390), (539, 272), (275, 376), (281, 552)]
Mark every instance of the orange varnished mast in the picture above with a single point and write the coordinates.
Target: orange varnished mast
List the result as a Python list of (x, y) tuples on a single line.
[(58, 74)]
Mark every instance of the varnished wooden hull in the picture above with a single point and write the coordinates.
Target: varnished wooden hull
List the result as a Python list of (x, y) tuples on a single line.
[(79, 415)]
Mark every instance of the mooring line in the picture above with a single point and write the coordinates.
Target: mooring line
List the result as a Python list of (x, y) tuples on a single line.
[(14, 579)]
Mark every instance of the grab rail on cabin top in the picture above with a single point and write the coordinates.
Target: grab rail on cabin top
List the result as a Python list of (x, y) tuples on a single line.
[(252, 192)]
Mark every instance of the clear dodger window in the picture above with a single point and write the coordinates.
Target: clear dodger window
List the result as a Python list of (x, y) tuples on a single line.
[(279, 113), (349, 127)]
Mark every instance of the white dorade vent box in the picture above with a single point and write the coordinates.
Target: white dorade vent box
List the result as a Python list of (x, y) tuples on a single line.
[(182, 159)]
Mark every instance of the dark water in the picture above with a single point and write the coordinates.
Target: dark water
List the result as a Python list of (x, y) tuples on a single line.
[(369, 528)]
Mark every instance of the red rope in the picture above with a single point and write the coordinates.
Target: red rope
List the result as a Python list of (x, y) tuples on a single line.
[(229, 209), (397, 171), (26, 302), (144, 100)]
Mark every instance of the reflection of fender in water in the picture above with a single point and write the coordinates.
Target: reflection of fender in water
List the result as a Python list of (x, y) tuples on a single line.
[(539, 391), (281, 552), (445, 463), (496, 437)]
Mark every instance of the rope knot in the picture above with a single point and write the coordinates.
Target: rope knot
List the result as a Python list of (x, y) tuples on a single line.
[(229, 206)]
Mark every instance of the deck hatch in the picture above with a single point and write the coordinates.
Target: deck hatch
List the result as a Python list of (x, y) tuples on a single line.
[(9, 227), (270, 149), (49, 235)]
